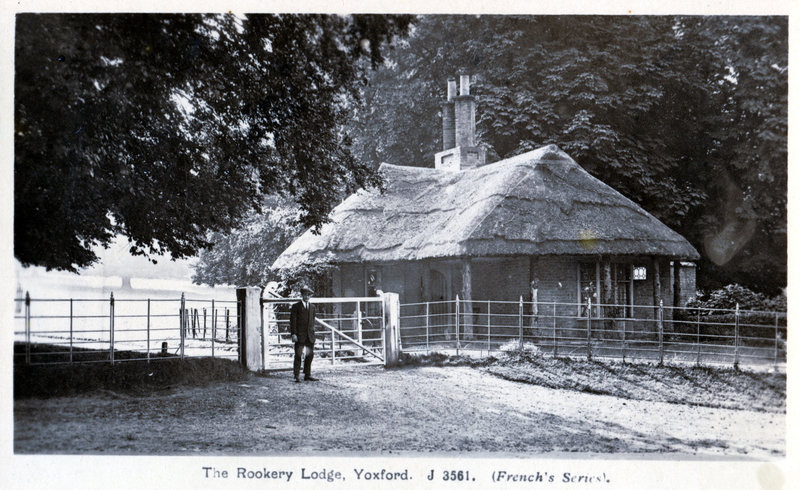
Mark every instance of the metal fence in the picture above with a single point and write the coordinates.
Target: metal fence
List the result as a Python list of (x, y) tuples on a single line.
[(661, 334), (116, 330), (348, 331)]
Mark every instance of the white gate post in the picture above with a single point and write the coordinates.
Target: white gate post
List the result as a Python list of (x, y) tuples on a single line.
[(391, 325), (250, 346)]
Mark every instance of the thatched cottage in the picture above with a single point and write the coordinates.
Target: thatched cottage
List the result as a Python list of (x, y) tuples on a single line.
[(536, 225)]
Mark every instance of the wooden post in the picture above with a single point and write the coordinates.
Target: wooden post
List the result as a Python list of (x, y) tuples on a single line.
[(466, 280), (213, 326), (204, 323), (776, 341), (736, 338), (533, 280), (70, 330), (333, 347), (656, 282), (148, 329), (228, 325), (698, 337), (521, 321), (391, 328), (183, 320), (625, 337), (249, 326), (427, 327), (555, 335), (589, 330), (111, 327), (607, 296), (458, 340), (27, 327), (360, 332), (660, 333), (489, 325)]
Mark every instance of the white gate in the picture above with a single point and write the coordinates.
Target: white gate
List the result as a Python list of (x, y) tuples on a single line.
[(349, 331)]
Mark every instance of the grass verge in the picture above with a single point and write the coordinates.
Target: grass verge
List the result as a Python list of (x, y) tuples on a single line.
[(131, 377)]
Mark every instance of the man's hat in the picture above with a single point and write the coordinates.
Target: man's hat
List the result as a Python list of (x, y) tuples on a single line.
[(305, 289)]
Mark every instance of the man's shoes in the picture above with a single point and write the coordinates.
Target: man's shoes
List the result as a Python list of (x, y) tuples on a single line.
[(296, 379), (311, 378)]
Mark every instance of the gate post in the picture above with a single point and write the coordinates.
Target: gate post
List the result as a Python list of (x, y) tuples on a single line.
[(391, 328), (248, 305)]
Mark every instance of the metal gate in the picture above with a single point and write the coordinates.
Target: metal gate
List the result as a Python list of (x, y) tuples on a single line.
[(349, 332)]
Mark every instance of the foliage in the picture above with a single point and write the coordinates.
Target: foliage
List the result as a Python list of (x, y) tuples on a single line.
[(733, 294), (242, 257), (686, 116), (318, 276), (163, 128)]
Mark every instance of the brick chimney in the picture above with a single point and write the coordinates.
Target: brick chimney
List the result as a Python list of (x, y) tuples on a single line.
[(449, 116), (458, 130)]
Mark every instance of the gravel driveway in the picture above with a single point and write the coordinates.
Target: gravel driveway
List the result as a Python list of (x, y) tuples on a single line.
[(370, 409)]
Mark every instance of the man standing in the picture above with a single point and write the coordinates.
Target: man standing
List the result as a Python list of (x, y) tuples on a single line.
[(301, 326)]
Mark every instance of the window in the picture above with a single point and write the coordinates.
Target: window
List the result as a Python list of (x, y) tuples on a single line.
[(590, 286), (623, 292), (639, 273)]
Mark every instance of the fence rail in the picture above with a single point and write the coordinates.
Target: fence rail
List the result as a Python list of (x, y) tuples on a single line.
[(655, 333), (113, 330), (348, 330)]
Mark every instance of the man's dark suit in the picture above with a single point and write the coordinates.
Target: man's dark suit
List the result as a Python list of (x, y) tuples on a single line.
[(301, 323)]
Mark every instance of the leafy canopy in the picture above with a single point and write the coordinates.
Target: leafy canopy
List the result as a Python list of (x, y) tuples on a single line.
[(164, 128), (686, 116)]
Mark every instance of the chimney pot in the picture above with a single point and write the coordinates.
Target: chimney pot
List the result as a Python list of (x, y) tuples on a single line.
[(464, 85), (451, 88)]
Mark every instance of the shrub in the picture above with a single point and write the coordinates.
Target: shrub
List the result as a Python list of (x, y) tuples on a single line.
[(733, 294)]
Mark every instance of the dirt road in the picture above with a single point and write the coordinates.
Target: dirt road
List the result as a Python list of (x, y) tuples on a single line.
[(402, 411)]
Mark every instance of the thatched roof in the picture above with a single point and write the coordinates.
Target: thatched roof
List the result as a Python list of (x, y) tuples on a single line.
[(537, 203)]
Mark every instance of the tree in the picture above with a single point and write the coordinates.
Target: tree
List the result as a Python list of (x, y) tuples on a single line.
[(684, 115), (164, 128), (243, 256)]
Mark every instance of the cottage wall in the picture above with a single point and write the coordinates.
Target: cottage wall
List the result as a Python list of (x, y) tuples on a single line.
[(506, 279)]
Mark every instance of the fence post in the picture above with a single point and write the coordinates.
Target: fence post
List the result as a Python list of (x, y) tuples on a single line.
[(589, 330), (660, 332), (183, 321), (213, 326), (736, 338), (390, 320), (359, 331), (227, 324), (27, 327), (111, 326), (458, 340), (555, 334), (428, 327), (489, 325), (204, 323), (70, 331), (521, 348), (776, 341), (148, 329), (624, 336), (333, 348), (698, 337)]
